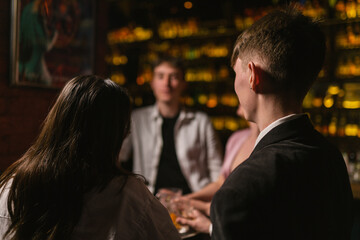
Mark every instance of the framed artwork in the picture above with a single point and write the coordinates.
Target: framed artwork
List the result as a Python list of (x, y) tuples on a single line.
[(52, 41)]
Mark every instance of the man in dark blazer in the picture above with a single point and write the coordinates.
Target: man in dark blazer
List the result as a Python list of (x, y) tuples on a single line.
[(295, 184)]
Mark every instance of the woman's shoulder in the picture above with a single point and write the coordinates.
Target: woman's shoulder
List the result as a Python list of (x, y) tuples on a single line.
[(132, 186), (150, 219), (132, 181)]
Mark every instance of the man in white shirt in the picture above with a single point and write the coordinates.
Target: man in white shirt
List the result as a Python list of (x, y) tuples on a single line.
[(172, 147), (294, 185)]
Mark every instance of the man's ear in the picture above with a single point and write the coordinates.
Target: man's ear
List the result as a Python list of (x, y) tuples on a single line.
[(255, 78)]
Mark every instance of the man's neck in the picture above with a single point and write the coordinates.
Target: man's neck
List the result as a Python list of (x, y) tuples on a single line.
[(254, 129), (273, 109), (168, 110)]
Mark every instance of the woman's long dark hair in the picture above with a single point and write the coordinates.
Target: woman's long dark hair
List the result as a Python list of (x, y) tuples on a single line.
[(75, 152)]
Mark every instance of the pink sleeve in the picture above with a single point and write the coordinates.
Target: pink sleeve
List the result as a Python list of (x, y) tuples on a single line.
[(232, 146)]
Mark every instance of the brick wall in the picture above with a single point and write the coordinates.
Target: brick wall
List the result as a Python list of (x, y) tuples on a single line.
[(22, 110)]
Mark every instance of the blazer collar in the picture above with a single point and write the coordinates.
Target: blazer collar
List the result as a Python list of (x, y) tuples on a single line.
[(289, 129)]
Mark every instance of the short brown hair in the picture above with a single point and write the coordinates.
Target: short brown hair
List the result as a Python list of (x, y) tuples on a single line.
[(173, 61), (291, 45)]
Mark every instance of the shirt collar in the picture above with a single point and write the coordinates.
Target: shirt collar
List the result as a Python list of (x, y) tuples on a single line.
[(275, 124)]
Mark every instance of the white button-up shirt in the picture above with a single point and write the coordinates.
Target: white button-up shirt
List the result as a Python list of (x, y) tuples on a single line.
[(197, 146)]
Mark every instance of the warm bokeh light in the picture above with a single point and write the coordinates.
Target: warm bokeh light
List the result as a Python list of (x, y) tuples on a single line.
[(218, 123), (231, 124), (188, 5), (212, 102), (333, 90), (328, 101), (351, 130), (332, 128), (118, 78), (189, 101), (119, 60), (138, 101), (317, 102), (202, 99), (140, 80), (351, 104)]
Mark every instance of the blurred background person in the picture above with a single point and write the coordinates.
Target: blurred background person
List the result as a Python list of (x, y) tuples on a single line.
[(171, 146), (238, 148), (67, 185)]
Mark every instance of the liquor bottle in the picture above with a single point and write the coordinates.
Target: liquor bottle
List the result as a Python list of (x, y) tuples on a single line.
[(356, 30), (358, 8), (357, 65), (351, 127), (340, 11), (341, 126), (212, 101), (351, 38), (328, 100), (352, 96), (341, 38), (318, 122), (325, 124), (350, 8), (333, 125), (352, 67)]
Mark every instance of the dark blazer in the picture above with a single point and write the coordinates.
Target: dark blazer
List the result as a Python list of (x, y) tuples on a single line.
[(294, 185)]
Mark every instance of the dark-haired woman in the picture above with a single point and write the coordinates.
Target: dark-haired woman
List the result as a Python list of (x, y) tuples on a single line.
[(67, 185)]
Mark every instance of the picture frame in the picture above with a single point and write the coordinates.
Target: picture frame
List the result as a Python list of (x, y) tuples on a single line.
[(52, 41)]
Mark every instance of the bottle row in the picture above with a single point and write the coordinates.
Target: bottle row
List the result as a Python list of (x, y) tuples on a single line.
[(348, 36), (207, 74), (192, 26), (174, 28), (337, 123), (129, 34), (199, 74), (348, 66), (334, 96), (227, 123), (212, 100), (335, 99), (346, 9), (200, 100), (209, 49), (188, 52)]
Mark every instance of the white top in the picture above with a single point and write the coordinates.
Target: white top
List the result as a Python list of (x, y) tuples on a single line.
[(198, 149), (130, 214)]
